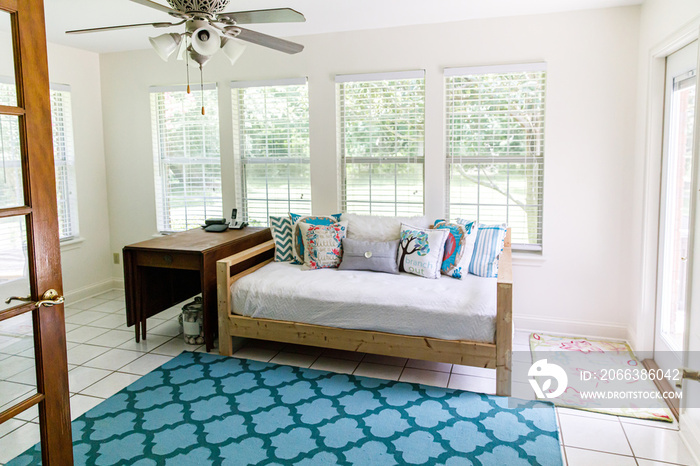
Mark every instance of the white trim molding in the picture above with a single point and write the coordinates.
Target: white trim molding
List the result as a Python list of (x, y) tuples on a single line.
[(494, 69), (73, 243), (389, 76), (182, 88), (269, 83), (572, 327), (89, 291)]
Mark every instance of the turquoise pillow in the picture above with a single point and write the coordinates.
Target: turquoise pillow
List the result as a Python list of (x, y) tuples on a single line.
[(459, 248), (297, 241)]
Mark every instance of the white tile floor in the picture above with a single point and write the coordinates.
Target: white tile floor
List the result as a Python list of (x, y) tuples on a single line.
[(103, 358)]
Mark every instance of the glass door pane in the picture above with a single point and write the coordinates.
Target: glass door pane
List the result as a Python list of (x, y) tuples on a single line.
[(14, 260), (674, 249)]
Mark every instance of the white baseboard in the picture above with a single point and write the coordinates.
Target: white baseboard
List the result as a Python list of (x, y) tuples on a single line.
[(88, 291), (571, 327), (118, 283)]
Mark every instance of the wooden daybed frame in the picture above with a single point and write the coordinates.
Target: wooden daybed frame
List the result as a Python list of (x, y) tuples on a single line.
[(489, 355)]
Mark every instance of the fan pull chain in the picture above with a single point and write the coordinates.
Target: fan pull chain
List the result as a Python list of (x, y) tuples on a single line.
[(201, 86), (2, 147), (187, 59)]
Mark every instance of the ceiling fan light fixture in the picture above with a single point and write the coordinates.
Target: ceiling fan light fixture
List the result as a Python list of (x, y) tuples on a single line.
[(206, 40), (199, 58), (165, 45), (232, 48)]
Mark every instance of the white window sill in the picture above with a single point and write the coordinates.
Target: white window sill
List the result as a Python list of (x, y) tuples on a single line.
[(528, 259), (73, 243)]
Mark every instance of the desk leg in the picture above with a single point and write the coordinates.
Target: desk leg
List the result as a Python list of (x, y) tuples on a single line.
[(131, 288), (209, 303)]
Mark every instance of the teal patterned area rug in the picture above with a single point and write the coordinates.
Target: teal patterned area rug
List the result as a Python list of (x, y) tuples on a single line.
[(203, 409)]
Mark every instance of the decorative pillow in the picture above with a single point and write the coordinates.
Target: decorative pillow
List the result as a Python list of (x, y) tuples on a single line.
[(487, 250), (297, 242), (459, 248), (379, 228), (370, 255), (282, 235), (421, 251), (323, 244)]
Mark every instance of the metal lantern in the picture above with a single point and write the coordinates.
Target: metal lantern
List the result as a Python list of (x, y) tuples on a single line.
[(191, 319)]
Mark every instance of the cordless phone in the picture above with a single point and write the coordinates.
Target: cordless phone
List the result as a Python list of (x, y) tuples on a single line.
[(236, 224)]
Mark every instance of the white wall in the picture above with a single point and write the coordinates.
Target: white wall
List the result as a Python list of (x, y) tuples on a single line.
[(86, 265), (583, 284)]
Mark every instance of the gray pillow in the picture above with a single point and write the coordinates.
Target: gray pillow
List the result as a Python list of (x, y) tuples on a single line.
[(370, 255)]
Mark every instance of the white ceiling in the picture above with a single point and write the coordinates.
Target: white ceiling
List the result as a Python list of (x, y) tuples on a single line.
[(322, 16)]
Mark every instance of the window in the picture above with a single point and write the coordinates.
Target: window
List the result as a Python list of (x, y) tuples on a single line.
[(271, 122), (64, 160), (186, 156), (381, 142), (495, 147), (63, 149)]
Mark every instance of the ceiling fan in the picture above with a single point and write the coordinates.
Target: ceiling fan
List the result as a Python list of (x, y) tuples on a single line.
[(199, 14), (207, 30)]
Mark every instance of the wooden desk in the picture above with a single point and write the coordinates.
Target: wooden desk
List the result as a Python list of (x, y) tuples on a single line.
[(164, 271)]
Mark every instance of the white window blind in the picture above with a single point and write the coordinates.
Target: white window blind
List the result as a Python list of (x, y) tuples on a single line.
[(495, 147), (186, 156), (271, 133), (11, 192), (381, 121)]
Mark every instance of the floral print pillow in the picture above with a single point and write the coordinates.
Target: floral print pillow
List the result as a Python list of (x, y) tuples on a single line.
[(323, 245)]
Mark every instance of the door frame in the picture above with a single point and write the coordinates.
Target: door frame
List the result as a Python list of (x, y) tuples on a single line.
[(642, 338), (40, 211), (681, 356)]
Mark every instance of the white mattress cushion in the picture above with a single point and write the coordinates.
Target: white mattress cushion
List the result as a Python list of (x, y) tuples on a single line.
[(404, 304), (378, 228)]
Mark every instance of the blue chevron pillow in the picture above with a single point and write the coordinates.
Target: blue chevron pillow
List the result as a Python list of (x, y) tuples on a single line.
[(282, 234)]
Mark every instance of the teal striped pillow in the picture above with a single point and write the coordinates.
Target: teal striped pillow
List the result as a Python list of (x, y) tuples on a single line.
[(488, 248)]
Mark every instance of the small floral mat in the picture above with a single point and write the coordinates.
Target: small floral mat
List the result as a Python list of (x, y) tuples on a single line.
[(599, 360)]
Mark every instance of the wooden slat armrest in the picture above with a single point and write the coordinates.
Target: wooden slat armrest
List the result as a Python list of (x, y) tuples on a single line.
[(505, 267), (505, 262), (224, 281), (247, 254)]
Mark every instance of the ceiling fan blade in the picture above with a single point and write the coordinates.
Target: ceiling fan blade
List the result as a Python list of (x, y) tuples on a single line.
[(265, 40), (125, 26), (156, 6), (276, 15)]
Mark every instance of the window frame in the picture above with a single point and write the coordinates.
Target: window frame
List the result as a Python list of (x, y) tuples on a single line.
[(539, 161), (242, 161), (163, 224), (67, 148), (372, 160), (66, 184)]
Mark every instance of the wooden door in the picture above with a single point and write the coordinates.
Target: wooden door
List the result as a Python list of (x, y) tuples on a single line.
[(30, 263)]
